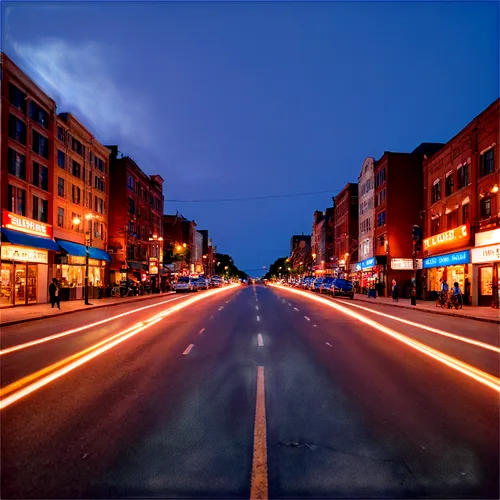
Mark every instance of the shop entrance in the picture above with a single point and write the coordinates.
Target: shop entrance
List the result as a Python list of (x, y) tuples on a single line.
[(485, 297), (19, 284)]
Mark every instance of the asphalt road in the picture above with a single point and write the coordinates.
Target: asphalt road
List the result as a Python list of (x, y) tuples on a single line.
[(161, 401)]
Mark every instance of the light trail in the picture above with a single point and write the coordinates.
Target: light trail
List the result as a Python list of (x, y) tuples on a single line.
[(35, 381), (477, 343), (466, 369)]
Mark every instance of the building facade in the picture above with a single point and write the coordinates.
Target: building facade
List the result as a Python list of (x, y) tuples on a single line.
[(346, 227), (462, 208), (179, 243), (136, 229), (318, 242)]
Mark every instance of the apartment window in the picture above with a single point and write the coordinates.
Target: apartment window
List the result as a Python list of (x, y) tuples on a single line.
[(75, 227), (381, 240), (60, 217), (16, 200), (131, 228), (76, 146), (75, 194), (40, 209), (40, 145), (436, 226), (452, 220), (60, 187), (17, 98), (380, 178), (17, 164), (38, 114), (380, 198), (485, 208), (99, 163), (465, 214), (143, 233), (76, 169), (40, 176), (487, 162), (436, 192), (463, 176), (99, 183), (381, 219), (131, 206), (17, 129), (130, 182), (61, 159), (100, 207), (61, 135), (448, 187), (131, 252), (96, 229)]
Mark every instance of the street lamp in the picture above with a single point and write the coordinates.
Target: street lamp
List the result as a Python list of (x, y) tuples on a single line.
[(88, 243)]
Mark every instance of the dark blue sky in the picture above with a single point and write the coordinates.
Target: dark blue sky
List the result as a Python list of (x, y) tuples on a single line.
[(246, 99)]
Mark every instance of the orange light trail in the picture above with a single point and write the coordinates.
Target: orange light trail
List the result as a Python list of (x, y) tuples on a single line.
[(466, 369), (41, 378)]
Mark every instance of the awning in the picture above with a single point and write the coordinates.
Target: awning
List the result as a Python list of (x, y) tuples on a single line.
[(78, 250), (28, 240), (137, 266)]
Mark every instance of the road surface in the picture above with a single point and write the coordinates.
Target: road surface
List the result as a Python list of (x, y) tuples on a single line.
[(250, 392)]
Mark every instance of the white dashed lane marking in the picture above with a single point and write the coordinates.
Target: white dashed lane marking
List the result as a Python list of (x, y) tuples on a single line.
[(328, 344), (201, 331), (221, 307), (260, 340), (295, 309), (188, 349), (258, 318), (308, 319)]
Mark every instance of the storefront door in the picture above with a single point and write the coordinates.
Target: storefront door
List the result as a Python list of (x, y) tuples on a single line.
[(20, 284), (485, 285), (6, 296), (31, 284)]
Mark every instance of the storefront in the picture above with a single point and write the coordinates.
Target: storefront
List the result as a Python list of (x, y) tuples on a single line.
[(26, 249), (365, 276), (69, 269)]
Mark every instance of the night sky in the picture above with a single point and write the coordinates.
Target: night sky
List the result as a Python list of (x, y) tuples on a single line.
[(232, 100)]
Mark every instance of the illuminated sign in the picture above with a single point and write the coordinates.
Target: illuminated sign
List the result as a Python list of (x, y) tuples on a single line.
[(24, 254), (488, 238), (20, 223), (485, 254), (405, 264), (365, 264), (153, 265), (459, 234), (450, 259)]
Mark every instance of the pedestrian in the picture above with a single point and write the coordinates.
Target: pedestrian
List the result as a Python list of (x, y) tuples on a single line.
[(54, 294), (395, 291)]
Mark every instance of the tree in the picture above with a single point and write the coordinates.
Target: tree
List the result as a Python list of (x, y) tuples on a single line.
[(224, 266), (280, 266)]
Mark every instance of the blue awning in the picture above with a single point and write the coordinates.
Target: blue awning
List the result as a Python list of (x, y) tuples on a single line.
[(78, 250), (28, 240)]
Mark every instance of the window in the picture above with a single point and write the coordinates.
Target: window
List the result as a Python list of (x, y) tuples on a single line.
[(17, 98), (99, 163), (61, 157), (40, 176), (76, 169), (76, 227), (465, 214), (75, 194), (76, 146), (485, 208), (61, 135), (38, 114), (452, 220), (17, 129), (96, 229), (99, 183), (60, 217), (381, 240), (99, 205), (130, 182), (436, 226), (131, 206), (131, 228), (17, 164), (40, 209), (436, 191), (40, 145), (380, 178), (60, 187), (131, 252), (380, 198), (448, 187), (487, 162), (381, 219), (17, 200), (463, 176)]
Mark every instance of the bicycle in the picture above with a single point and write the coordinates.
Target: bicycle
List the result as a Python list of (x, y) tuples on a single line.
[(442, 300), (115, 291)]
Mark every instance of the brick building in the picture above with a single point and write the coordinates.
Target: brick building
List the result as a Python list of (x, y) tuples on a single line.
[(208, 253), (300, 252), (318, 242), (462, 208), (136, 229), (346, 227), (179, 242)]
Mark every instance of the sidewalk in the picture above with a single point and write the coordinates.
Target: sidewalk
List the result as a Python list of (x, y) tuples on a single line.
[(487, 314), (21, 314)]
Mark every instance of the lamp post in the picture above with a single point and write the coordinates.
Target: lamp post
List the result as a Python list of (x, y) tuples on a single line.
[(88, 242)]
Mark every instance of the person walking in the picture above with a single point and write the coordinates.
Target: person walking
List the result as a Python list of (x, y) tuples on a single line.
[(395, 291), (54, 293)]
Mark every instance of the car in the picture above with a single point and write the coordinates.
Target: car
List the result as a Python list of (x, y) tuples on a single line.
[(325, 286), (306, 281), (216, 282), (184, 284), (202, 284), (342, 288), (316, 285)]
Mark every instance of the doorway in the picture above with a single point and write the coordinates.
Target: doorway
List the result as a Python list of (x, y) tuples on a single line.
[(485, 297)]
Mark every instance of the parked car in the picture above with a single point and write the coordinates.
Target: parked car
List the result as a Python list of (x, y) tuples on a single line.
[(216, 282), (306, 281), (185, 284), (342, 288), (327, 283), (316, 285), (202, 284)]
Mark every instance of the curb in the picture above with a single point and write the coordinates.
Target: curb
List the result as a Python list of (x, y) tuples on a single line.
[(98, 306), (430, 311)]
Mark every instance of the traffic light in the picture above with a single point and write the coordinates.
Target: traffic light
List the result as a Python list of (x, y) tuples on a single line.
[(416, 233)]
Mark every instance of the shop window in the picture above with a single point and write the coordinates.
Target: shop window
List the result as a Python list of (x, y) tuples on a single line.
[(435, 226), (436, 192), (17, 129), (60, 187), (463, 176), (76, 169), (38, 114), (487, 162), (465, 214), (17, 164), (448, 188), (17, 98), (40, 176), (452, 220), (485, 208), (40, 209), (60, 217), (16, 200), (75, 194), (40, 145)]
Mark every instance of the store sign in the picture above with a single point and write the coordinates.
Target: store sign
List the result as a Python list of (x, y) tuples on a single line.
[(153, 265), (485, 254), (450, 259), (365, 264), (22, 254), (488, 238), (19, 223), (405, 264), (459, 234)]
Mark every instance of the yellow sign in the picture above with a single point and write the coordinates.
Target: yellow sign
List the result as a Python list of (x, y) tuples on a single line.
[(459, 234), (153, 265), (22, 254), (80, 260)]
